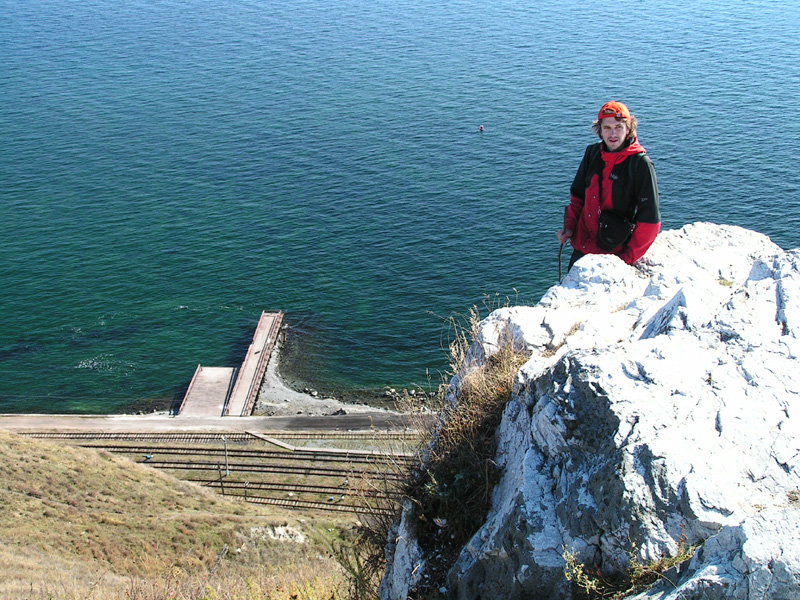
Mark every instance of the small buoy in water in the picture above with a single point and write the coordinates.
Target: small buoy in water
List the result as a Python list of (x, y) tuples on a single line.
[(480, 128)]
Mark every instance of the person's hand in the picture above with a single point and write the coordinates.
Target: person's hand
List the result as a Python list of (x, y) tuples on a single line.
[(563, 235)]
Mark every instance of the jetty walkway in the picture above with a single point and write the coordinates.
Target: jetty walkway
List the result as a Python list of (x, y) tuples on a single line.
[(228, 391)]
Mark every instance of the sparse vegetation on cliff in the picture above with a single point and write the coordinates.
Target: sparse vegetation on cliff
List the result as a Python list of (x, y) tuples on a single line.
[(451, 493), (589, 583)]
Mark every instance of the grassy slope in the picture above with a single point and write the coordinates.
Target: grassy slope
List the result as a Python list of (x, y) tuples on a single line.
[(76, 523)]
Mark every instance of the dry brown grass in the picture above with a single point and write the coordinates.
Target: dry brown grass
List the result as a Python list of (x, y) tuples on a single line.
[(451, 493), (77, 523)]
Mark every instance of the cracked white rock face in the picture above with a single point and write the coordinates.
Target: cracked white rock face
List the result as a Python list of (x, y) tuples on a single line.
[(757, 558), (661, 402)]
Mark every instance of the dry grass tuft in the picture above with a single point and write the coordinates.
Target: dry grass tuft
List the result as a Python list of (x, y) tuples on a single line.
[(451, 493), (589, 583), (361, 551)]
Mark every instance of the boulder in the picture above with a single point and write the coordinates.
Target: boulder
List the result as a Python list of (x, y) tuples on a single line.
[(660, 407)]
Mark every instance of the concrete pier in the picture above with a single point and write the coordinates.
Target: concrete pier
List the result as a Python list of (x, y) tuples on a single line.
[(208, 391), (214, 392)]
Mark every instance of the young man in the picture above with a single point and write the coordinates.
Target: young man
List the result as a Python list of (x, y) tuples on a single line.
[(614, 198)]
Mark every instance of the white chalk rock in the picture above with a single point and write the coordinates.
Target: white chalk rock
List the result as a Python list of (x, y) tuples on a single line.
[(759, 558), (661, 403)]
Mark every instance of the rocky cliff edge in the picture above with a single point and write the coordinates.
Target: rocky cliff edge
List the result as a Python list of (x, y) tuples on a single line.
[(660, 407)]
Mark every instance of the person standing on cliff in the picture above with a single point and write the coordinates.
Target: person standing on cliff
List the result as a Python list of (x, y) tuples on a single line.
[(614, 198)]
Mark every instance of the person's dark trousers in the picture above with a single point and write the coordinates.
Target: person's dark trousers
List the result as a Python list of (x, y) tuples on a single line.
[(575, 256)]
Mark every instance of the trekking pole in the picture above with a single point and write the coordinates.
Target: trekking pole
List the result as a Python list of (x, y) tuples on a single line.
[(561, 247)]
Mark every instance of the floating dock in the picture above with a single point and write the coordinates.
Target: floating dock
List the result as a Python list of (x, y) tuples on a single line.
[(228, 391)]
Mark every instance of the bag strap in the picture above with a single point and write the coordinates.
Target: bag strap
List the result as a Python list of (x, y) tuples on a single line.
[(633, 164)]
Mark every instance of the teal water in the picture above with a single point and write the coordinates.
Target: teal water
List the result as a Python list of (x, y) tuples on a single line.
[(169, 169)]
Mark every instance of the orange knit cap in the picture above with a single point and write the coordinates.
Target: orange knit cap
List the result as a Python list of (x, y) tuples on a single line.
[(614, 109)]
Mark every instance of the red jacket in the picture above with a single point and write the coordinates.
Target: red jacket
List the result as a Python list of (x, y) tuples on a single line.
[(628, 189)]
